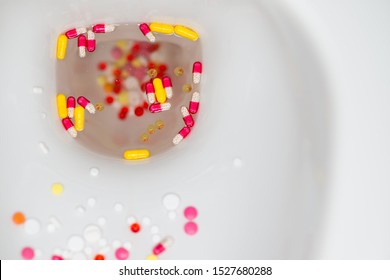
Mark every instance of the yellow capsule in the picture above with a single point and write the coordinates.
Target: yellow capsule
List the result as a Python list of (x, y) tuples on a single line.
[(62, 108), (161, 28), (186, 32), (79, 118), (62, 43), (136, 154), (159, 90)]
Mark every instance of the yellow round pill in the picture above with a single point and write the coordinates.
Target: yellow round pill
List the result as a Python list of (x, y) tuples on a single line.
[(57, 188), (151, 257)]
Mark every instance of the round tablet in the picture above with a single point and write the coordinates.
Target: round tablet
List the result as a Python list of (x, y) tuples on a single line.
[(27, 253), (92, 233), (190, 213), (191, 228), (76, 243), (171, 201), (32, 226)]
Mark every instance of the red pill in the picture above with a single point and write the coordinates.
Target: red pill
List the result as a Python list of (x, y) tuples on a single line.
[(102, 66), (99, 257), (139, 111), (109, 99), (135, 227)]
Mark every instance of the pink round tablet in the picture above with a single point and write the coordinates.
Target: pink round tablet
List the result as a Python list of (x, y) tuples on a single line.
[(56, 258), (121, 253), (116, 53), (191, 228), (190, 213), (28, 253)]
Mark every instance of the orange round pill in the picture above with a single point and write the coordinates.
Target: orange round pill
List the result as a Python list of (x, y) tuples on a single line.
[(18, 218)]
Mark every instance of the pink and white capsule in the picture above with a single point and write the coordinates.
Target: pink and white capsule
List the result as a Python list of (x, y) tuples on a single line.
[(167, 86), (147, 33), (70, 104), (84, 102), (194, 103), (103, 28), (150, 92), (183, 133), (163, 245), (196, 72), (158, 107), (187, 118), (68, 125), (82, 43), (75, 32), (91, 42)]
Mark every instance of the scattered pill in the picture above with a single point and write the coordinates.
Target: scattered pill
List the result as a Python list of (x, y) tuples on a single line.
[(73, 33), (76, 243), (187, 118), (157, 107), (99, 106), (131, 220), (187, 88), (135, 227), (152, 73), (56, 258), (178, 71), (183, 133), (91, 202), (57, 188), (70, 104), (159, 124), (144, 137), (79, 118), (194, 103), (151, 257), (146, 221), (136, 154), (62, 43), (28, 253), (92, 233), (91, 41), (163, 245), (118, 207), (151, 129), (190, 213), (196, 72), (161, 95), (139, 111), (68, 125), (147, 33), (191, 228), (167, 86), (37, 90), (18, 218), (61, 106), (127, 245), (86, 104), (161, 28), (186, 32), (103, 28), (99, 257), (121, 253), (82, 45), (94, 171), (150, 93), (116, 244), (32, 226), (171, 201)]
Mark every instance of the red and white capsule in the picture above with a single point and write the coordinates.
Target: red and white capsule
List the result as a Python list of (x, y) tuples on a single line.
[(163, 245), (158, 107), (196, 72), (84, 102), (103, 28), (150, 93), (187, 118), (91, 41), (70, 104), (147, 33), (167, 86), (75, 32), (82, 44), (68, 125), (194, 103), (183, 133)]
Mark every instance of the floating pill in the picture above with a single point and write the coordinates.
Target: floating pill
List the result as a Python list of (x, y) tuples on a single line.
[(163, 245), (28, 253), (139, 111), (91, 41), (162, 28), (86, 104), (152, 73), (61, 106), (151, 257), (146, 31), (136, 154), (161, 95), (73, 33), (99, 257), (150, 93), (79, 118), (144, 137), (151, 129), (159, 124), (57, 258), (68, 125), (194, 103), (18, 218), (186, 32), (190, 213), (62, 43), (183, 133), (157, 107), (70, 104), (103, 28), (57, 188), (196, 72), (191, 228), (187, 118), (167, 86), (82, 44), (121, 253), (178, 71), (99, 106), (135, 227), (187, 88)]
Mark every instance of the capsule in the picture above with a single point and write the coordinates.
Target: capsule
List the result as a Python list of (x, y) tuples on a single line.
[(86, 104), (70, 104), (82, 44), (103, 28), (157, 107), (150, 92), (187, 118), (73, 33), (183, 133), (167, 86), (162, 28), (196, 72), (68, 125), (136, 154), (194, 103), (62, 43), (61, 106), (163, 245), (161, 96), (91, 41), (186, 32), (79, 118), (147, 33)]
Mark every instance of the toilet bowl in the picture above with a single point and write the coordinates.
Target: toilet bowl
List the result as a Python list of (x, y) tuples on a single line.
[(253, 166)]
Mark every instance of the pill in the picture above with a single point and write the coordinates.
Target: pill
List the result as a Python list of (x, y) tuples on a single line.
[(62, 43), (121, 253), (70, 104), (68, 125), (146, 31), (190, 213), (79, 118), (159, 124), (73, 33), (186, 32), (57, 188), (103, 28), (157, 107), (136, 154), (194, 103), (135, 227), (150, 93), (151, 129), (159, 90), (161, 28), (28, 253), (82, 44), (18, 218), (191, 228), (196, 72), (183, 133), (61, 106), (187, 88), (167, 86), (144, 137), (178, 71), (86, 104), (163, 245), (99, 257), (91, 41), (187, 118), (99, 106)]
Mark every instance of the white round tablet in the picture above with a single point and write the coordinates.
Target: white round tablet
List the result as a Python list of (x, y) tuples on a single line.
[(92, 233), (76, 243), (32, 226), (171, 201)]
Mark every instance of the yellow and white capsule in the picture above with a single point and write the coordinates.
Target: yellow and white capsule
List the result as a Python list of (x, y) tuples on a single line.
[(62, 44), (62, 108), (186, 32), (159, 90), (162, 28), (136, 154), (79, 116)]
